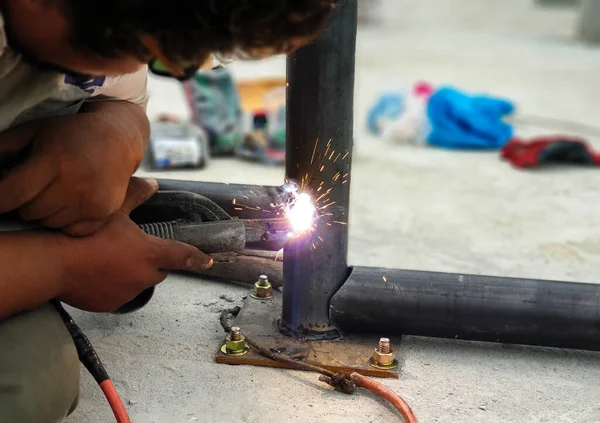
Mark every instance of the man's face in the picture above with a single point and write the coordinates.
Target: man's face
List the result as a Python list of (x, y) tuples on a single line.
[(39, 29)]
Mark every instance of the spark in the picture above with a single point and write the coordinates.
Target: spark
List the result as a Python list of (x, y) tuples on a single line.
[(384, 279), (233, 201), (337, 157), (320, 239), (322, 167), (246, 197), (340, 223), (332, 153), (322, 195), (328, 146), (314, 151), (345, 155), (239, 208), (313, 245), (277, 255)]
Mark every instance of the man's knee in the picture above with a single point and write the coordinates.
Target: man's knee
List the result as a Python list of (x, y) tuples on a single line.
[(39, 369)]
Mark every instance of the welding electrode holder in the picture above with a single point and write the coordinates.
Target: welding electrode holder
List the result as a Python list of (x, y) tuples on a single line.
[(194, 219)]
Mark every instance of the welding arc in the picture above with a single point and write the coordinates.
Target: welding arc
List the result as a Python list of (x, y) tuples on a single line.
[(89, 358)]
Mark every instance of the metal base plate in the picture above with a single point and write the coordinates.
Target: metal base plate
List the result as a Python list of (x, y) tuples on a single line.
[(259, 319)]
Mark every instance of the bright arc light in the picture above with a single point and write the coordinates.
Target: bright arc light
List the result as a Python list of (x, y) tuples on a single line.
[(301, 214)]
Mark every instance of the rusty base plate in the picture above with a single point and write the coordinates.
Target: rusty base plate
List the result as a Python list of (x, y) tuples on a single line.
[(258, 319)]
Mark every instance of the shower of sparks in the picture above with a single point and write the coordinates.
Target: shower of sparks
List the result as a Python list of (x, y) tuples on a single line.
[(297, 203)]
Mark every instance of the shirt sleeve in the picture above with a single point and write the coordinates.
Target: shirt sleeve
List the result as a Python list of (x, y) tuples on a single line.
[(131, 87)]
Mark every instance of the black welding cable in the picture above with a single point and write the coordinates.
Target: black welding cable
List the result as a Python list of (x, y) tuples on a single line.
[(89, 358)]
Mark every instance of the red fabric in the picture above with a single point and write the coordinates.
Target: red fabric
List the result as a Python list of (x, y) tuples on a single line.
[(559, 148)]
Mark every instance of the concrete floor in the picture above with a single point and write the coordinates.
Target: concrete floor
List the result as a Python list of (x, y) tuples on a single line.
[(412, 208)]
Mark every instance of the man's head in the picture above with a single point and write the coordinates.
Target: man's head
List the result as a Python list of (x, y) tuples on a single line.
[(112, 37)]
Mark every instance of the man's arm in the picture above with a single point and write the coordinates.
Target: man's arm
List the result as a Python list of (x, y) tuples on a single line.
[(126, 120), (77, 167), (100, 272), (31, 270)]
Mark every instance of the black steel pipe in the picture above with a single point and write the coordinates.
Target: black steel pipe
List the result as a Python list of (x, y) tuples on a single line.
[(320, 97), (480, 308), (251, 201)]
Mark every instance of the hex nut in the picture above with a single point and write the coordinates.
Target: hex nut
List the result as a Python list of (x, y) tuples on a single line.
[(383, 360), (262, 292), (235, 346)]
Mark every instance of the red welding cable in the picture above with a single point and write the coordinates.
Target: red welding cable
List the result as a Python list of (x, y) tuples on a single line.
[(386, 393), (115, 402)]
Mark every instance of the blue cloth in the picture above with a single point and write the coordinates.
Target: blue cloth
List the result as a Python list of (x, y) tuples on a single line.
[(461, 121), (389, 106)]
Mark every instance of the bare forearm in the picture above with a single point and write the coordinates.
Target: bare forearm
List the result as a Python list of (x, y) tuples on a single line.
[(127, 122), (31, 270)]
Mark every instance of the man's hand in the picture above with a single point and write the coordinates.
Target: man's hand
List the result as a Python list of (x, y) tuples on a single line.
[(79, 166), (100, 272), (112, 266)]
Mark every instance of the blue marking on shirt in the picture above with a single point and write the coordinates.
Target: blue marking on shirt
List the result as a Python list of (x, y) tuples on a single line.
[(85, 83)]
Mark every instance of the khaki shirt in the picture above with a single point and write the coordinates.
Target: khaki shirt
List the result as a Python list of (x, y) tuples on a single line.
[(27, 93)]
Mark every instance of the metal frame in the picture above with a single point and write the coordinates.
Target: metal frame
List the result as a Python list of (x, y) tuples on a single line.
[(322, 294)]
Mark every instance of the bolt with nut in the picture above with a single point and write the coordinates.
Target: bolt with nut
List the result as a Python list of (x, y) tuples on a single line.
[(262, 289), (383, 356), (235, 343)]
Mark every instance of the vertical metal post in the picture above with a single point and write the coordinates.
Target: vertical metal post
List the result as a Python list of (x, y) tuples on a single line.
[(320, 103)]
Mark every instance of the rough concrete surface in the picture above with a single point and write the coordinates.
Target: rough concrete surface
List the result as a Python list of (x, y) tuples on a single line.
[(413, 208)]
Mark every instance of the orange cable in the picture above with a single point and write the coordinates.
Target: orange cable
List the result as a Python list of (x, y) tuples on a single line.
[(386, 393), (115, 401)]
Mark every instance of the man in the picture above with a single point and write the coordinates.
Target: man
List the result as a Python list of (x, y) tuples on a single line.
[(72, 132)]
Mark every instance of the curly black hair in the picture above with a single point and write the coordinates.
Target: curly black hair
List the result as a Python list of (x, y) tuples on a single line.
[(191, 30)]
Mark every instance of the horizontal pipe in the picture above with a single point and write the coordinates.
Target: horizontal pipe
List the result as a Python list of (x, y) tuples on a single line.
[(251, 201), (480, 308)]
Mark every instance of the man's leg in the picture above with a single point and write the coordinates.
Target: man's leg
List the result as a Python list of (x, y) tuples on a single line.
[(39, 368)]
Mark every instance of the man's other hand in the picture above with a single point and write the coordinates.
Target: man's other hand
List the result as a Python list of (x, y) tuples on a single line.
[(78, 168)]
